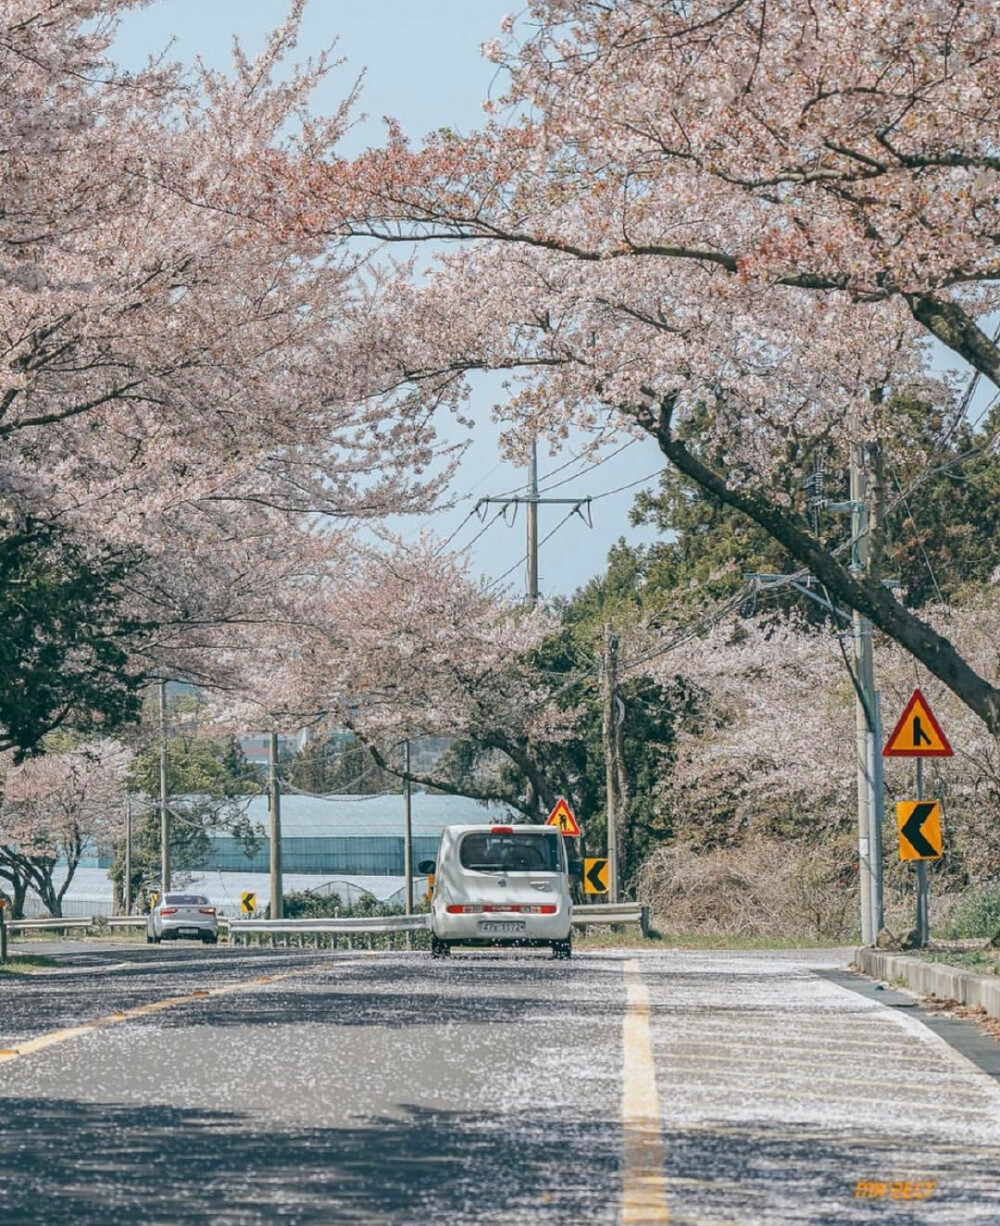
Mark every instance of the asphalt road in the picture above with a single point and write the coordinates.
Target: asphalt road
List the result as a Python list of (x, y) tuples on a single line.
[(252, 1087)]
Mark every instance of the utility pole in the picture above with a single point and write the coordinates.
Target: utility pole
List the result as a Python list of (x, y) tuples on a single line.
[(876, 557), (609, 684), (923, 924), (863, 683), (865, 520), (532, 502), (127, 891), (274, 814), (531, 514), (164, 807), (407, 829)]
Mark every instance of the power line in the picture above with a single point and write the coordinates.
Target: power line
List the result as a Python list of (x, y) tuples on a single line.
[(444, 544), (917, 536), (631, 485), (589, 469), (485, 528)]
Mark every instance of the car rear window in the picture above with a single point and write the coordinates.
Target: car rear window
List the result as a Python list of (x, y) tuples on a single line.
[(512, 853), (185, 900)]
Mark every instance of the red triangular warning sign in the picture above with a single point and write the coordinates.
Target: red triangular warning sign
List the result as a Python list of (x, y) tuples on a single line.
[(562, 817), (918, 734)]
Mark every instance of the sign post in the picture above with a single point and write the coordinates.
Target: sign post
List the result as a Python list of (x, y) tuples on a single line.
[(923, 885), (919, 735), (3, 931)]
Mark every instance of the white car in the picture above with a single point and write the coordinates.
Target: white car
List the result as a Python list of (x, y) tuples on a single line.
[(501, 885), (182, 915)]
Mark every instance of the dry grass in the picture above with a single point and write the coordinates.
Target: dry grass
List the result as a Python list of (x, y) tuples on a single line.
[(765, 888)]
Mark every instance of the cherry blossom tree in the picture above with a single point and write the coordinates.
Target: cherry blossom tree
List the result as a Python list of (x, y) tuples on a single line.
[(771, 750), (54, 808), (404, 644), (733, 226), (178, 382)]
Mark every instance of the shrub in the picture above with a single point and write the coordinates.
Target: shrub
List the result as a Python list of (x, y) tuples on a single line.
[(975, 914), (306, 905), (762, 888)]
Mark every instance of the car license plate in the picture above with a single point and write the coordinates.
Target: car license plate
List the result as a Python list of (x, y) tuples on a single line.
[(189, 932), (502, 926)]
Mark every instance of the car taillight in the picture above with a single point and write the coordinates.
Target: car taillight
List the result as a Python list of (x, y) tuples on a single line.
[(168, 910), (206, 910), (501, 830), (464, 909)]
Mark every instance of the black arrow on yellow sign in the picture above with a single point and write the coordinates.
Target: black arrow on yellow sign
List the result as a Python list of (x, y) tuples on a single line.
[(919, 829), (595, 876), (912, 832)]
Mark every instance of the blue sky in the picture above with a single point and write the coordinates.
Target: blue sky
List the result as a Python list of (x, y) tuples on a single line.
[(422, 66)]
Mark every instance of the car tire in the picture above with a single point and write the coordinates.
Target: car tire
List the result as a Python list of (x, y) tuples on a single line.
[(440, 949), (149, 939), (562, 950)]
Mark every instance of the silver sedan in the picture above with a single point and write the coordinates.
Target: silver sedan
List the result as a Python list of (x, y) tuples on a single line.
[(177, 916)]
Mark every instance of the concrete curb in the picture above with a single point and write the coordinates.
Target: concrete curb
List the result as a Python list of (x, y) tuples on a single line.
[(932, 978)]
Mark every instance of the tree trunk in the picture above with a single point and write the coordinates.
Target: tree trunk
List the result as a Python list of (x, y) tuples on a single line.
[(42, 871), (14, 872), (73, 853)]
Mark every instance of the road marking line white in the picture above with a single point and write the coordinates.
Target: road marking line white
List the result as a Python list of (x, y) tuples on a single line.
[(644, 1187)]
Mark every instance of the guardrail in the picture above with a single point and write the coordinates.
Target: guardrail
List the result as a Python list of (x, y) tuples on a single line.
[(612, 913), (52, 922), (328, 931), (325, 931), (85, 924), (57, 923)]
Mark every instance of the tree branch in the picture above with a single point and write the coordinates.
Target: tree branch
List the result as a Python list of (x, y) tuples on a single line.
[(867, 596)]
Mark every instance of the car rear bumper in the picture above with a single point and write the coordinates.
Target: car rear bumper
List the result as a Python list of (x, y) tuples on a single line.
[(501, 928), (179, 930)]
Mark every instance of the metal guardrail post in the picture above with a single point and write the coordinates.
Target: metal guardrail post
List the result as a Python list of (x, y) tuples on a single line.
[(3, 934)]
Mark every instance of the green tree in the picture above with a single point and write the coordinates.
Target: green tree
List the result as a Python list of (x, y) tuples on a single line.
[(65, 658), (208, 783), (941, 482), (339, 765)]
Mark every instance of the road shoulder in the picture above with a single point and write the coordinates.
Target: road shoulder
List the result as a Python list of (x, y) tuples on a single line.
[(962, 1034)]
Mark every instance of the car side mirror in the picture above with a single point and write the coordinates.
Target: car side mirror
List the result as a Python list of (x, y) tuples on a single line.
[(426, 867)]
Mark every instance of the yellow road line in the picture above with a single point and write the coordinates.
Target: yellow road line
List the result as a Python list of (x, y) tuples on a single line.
[(644, 1189), (29, 1046)]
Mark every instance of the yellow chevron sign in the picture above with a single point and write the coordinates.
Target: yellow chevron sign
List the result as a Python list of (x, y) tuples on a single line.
[(919, 823)]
